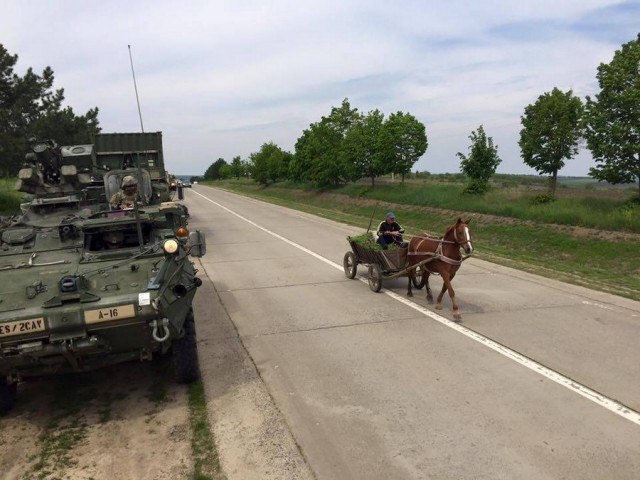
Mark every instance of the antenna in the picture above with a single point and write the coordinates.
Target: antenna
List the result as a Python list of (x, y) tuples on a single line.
[(136, 88)]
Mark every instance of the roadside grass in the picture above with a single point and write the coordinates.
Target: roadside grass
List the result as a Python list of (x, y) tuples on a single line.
[(606, 210), (607, 263), (205, 455)]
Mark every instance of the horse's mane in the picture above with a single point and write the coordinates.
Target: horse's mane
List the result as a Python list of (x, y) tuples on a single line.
[(449, 230)]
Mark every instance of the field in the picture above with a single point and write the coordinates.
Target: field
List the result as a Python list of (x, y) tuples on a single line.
[(586, 236)]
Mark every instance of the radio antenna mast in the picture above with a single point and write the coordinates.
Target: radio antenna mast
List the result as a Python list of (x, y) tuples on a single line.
[(135, 86)]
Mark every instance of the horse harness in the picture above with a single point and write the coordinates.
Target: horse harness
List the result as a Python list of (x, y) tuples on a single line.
[(438, 255)]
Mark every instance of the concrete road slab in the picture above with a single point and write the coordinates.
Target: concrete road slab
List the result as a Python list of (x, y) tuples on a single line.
[(403, 399), (270, 272), (308, 307)]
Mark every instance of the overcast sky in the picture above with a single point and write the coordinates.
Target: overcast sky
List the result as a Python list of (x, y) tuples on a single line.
[(220, 78)]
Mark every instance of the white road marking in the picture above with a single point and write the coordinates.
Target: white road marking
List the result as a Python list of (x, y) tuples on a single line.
[(596, 397)]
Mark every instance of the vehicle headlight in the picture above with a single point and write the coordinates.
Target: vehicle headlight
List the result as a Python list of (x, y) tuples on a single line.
[(170, 246)]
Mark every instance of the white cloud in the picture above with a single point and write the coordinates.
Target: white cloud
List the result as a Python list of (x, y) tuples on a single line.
[(220, 78)]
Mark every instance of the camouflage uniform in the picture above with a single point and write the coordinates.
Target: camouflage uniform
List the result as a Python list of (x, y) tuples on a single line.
[(120, 199)]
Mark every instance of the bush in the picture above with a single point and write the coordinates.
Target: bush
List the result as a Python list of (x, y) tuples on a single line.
[(542, 199), (476, 187)]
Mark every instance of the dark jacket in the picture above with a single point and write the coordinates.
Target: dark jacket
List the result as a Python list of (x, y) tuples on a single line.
[(389, 227)]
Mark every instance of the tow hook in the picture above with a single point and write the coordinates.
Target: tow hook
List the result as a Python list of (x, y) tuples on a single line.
[(164, 325)]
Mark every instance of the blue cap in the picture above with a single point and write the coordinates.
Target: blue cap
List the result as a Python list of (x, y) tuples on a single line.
[(390, 215)]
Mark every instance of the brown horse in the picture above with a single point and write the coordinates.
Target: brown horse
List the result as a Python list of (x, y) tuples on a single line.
[(444, 260)]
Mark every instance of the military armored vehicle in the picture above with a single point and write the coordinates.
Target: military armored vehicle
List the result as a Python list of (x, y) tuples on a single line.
[(84, 285)]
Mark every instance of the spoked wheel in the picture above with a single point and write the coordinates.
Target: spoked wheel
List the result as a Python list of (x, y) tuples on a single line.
[(350, 265), (375, 277), (418, 278)]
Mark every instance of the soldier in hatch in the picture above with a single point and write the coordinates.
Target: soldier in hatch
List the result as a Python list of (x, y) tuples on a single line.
[(113, 239), (127, 194)]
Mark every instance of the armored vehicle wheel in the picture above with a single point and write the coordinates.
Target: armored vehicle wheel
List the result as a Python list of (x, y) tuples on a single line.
[(350, 265), (8, 392), (419, 278), (185, 353), (375, 277)]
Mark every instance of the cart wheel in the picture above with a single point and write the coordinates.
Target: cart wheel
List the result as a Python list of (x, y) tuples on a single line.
[(350, 265), (418, 278), (375, 277)]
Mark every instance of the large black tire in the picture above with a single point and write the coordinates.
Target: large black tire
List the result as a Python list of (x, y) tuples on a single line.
[(185, 353), (8, 394), (350, 265)]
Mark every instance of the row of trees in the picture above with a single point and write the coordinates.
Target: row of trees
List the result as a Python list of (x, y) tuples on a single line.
[(342, 147), (556, 123), (31, 108), (346, 145)]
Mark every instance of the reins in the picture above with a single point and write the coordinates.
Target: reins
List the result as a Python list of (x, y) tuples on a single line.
[(438, 255)]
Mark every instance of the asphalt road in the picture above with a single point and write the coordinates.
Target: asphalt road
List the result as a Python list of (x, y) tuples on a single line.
[(540, 380)]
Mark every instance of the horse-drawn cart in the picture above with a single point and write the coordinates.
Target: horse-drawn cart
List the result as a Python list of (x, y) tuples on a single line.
[(382, 264)]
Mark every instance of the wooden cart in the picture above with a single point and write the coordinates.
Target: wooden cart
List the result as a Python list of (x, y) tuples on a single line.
[(382, 264)]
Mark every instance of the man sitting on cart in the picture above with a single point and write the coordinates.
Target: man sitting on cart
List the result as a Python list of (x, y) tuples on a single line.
[(390, 232)]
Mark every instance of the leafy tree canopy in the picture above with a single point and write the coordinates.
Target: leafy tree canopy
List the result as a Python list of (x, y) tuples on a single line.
[(213, 172), (550, 132), (482, 161), (613, 118), (404, 140), (270, 163), (362, 148), (319, 156), (31, 108)]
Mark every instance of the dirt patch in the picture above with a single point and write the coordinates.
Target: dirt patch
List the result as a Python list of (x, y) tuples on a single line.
[(127, 421)]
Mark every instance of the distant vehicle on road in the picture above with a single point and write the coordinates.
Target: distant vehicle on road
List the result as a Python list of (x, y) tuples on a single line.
[(186, 184)]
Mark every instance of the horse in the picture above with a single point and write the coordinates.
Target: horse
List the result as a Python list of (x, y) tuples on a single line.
[(444, 260)]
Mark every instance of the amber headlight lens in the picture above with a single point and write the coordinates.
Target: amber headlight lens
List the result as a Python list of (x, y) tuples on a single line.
[(170, 246)]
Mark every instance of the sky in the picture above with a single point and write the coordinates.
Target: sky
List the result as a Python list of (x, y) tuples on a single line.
[(221, 78)]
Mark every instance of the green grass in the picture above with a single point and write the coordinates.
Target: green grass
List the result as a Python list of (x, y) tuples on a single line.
[(205, 455), (534, 238)]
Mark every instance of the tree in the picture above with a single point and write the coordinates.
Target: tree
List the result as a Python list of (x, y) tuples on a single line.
[(405, 140), (319, 154), (29, 107), (481, 163), (237, 167), (362, 148), (613, 118), (270, 163), (550, 132), (213, 172)]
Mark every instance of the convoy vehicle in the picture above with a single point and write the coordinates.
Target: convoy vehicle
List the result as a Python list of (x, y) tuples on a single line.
[(84, 286)]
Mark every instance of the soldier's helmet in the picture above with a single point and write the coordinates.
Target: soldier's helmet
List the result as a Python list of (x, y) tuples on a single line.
[(129, 181)]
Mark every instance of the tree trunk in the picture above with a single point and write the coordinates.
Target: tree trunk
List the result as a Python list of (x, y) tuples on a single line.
[(373, 181), (554, 182)]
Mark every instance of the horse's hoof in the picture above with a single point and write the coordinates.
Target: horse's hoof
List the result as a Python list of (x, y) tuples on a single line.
[(430, 299), (457, 316), (438, 307), (409, 294)]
